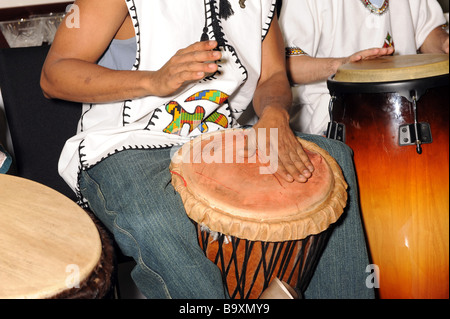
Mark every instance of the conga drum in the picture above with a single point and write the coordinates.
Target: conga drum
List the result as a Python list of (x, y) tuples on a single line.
[(393, 112), (50, 248), (255, 226)]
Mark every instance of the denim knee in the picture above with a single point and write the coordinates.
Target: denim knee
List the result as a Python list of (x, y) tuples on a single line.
[(153, 228)]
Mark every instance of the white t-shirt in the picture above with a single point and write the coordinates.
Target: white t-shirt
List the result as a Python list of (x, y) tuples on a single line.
[(162, 28), (339, 28)]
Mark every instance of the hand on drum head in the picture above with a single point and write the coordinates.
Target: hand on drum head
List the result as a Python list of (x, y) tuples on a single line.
[(368, 54), (277, 144)]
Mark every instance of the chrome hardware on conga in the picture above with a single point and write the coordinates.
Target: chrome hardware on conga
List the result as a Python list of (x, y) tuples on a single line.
[(408, 76), (395, 114), (257, 227)]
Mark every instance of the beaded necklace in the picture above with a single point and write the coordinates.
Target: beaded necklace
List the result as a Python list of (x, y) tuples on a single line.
[(374, 9)]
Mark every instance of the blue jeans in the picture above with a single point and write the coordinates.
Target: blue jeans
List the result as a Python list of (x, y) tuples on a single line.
[(341, 272), (132, 194)]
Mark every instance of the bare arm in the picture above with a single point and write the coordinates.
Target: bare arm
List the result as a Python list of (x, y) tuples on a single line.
[(70, 71), (272, 101), (305, 69), (436, 42)]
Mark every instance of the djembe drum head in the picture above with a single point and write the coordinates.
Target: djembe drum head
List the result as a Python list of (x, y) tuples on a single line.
[(49, 246)]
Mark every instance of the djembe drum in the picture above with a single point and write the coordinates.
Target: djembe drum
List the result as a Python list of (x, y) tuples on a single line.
[(254, 225), (393, 113), (50, 248)]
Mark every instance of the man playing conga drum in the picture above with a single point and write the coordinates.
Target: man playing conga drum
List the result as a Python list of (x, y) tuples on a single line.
[(168, 71)]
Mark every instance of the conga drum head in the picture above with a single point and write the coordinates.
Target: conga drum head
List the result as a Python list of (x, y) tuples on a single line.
[(394, 68), (48, 244), (255, 226)]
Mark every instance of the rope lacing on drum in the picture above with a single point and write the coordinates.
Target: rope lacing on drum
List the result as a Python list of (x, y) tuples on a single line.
[(275, 261)]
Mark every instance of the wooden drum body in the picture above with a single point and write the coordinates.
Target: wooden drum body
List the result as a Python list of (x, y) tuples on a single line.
[(403, 184), (256, 226)]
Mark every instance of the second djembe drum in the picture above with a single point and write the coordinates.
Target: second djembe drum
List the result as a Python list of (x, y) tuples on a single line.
[(50, 248)]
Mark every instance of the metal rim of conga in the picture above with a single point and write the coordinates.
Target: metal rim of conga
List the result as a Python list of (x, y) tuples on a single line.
[(403, 88), (266, 230)]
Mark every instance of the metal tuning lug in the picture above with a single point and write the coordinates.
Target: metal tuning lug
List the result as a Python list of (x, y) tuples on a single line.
[(415, 134), (336, 131)]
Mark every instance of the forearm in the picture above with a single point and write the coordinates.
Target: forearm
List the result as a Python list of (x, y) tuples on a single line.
[(305, 69), (272, 101), (82, 81), (274, 96), (436, 42)]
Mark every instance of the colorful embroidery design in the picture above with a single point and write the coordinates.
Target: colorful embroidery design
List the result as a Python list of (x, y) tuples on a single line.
[(215, 118), (215, 96), (181, 117), (194, 120), (293, 51), (374, 9), (389, 42)]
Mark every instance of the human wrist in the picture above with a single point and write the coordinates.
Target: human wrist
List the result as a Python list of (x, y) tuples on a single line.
[(146, 83), (336, 63), (277, 113)]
